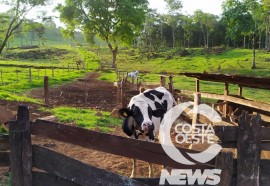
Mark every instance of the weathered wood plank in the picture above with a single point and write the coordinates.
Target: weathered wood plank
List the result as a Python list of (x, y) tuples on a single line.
[(264, 173), (245, 81), (76, 171), (249, 150), (21, 148), (229, 133), (4, 144), (4, 159), (253, 104), (142, 150), (47, 179), (224, 161)]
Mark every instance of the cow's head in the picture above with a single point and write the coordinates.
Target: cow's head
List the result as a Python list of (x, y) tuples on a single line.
[(138, 117)]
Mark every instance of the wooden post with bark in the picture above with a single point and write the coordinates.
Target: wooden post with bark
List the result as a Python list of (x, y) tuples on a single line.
[(240, 90), (197, 101), (226, 93), (171, 87), (248, 149), (30, 74), (46, 90), (123, 96), (17, 75), (52, 72), (224, 162), (162, 81), (21, 149), (2, 77)]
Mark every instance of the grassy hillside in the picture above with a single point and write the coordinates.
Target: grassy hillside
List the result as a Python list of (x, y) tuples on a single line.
[(227, 61), (14, 67), (52, 36)]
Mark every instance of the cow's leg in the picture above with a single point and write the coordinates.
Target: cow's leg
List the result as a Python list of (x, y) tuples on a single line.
[(151, 173), (134, 169)]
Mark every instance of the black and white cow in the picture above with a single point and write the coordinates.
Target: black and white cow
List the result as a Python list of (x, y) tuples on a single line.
[(144, 114)]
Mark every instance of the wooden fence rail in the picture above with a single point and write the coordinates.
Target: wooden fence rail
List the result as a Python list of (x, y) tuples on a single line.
[(247, 169), (142, 150), (76, 171)]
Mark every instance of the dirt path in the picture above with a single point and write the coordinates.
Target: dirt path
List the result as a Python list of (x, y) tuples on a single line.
[(100, 94)]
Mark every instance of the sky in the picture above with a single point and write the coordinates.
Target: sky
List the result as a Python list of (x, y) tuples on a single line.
[(189, 7)]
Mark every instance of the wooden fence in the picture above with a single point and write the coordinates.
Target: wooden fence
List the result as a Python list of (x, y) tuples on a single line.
[(58, 169)]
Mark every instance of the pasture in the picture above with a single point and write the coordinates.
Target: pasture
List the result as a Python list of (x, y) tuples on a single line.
[(68, 86)]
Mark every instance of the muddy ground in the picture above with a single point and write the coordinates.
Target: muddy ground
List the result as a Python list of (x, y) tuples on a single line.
[(101, 95)]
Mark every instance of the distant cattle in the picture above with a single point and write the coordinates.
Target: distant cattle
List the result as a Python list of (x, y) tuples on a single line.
[(144, 114), (133, 74)]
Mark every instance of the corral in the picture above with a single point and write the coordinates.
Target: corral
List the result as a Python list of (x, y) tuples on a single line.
[(228, 135), (249, 138)]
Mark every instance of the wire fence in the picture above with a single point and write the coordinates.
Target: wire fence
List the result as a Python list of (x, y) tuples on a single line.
[(10, 75)]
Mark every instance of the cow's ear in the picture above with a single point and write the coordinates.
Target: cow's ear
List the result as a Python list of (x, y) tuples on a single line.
[(125, 112), (158, 113)]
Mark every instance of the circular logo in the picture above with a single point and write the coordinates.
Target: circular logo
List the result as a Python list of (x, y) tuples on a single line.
[(165, 137)]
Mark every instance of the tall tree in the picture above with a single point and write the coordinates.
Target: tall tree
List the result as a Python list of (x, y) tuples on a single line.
[(238, 20), (266, 19), (174, 7), (15, 17), (207, 24), (189, 27), (114, 21)]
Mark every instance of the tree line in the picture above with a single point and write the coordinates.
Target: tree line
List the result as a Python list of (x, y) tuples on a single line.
[(243, 23), (239, 23)]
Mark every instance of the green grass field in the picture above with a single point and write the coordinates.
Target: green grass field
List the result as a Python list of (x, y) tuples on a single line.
[(231, 61), (86, 118), (236, 61), (15, 77)]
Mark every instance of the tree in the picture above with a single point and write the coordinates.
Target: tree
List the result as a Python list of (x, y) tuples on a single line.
[(114, 21), (34, 28), (15, 17), (238, 20), (189, 27), (174, 7), (207, 24), (266, 19)]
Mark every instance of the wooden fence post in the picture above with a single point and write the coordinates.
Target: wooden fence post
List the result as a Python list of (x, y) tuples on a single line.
[(30, 74), (2, 77), (197, 101), (17, 75), (197, 85), (21, 149), (52, 72), (123, 96), (171, 87), (137, 83), (240, 90), (248, 149), (224, 161), (226, 93), (86, 91), (46, 90), (162, 81)]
